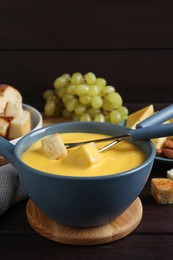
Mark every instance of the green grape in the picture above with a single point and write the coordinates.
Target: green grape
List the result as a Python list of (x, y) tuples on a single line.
[(115, 99), (85, 99), (100, 82), (93, 90), (81, 89), (60, 82), (107, 89), (60, 92), (123, 112), (79, 109), (115, 117), (107, 106), (99, 118), (90, 78), (66, 76), (70, 106), (85, 117), (96, 102), (71, 89), (76, 78), (57, 112), (93, 112), (53, 98), (48, 93), (66, 114), (50, 108), (67, 97)]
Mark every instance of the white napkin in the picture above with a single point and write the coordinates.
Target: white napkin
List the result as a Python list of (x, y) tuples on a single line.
[(11, 188)]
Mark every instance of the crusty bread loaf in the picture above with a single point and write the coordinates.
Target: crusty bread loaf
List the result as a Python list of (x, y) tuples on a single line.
[(20, 125), (162, 190), (54, 147)]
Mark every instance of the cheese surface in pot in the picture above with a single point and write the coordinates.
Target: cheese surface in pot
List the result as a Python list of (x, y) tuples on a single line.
[(85, 160)]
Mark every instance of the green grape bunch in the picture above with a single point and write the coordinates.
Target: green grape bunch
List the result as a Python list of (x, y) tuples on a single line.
[(79, 97)]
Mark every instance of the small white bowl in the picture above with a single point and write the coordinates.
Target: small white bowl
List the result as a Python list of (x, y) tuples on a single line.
[(36, 120)]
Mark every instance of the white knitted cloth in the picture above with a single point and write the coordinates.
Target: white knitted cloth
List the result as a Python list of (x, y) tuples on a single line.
[(11, 189)]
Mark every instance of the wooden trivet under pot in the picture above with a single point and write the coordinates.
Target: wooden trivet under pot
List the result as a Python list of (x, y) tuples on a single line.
[(112, 231)]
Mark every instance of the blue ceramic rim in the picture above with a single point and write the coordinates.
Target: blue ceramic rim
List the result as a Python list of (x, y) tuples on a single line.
[(164, 160), (50, 129)]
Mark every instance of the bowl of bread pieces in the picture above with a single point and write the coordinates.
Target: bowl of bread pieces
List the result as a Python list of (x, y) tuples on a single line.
[(16, 119)]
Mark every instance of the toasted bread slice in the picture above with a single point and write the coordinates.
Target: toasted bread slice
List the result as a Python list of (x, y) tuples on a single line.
[(54, 147), (20, 125), (162, 190), (4, 126)]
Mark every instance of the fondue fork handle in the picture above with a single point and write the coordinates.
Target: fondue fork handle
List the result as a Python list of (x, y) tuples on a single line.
[(158, 118), (146, 133), (151, 132)]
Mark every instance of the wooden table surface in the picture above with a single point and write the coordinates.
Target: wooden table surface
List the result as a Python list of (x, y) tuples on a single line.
[(152, 239)]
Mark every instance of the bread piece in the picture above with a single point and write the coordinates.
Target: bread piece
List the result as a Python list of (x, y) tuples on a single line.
[(10, 93), (13, 109), (53, 147), (10, 101), (170, 174), (162, 190), (20, 125), (4, 126)]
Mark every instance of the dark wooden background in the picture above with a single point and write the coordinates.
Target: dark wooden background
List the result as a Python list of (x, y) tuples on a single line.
[(130, 43)]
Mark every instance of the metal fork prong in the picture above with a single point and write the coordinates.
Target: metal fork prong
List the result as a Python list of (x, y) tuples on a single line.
[(109, 145)]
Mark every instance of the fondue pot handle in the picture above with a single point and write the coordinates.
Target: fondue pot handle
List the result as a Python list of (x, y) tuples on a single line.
[(151, 132), (7, 150), (158, 118)]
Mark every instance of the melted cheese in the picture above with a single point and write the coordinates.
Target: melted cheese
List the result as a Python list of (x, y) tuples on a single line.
[(85, 160)]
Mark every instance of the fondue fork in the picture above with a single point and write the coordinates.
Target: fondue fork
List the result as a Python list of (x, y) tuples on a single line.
[(133, 135), (147, 129)]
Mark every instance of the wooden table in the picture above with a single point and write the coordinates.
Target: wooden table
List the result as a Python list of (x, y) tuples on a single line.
[(152, 239)]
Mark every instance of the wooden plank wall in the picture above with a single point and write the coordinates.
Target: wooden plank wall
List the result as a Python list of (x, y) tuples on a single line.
[(130, 43)]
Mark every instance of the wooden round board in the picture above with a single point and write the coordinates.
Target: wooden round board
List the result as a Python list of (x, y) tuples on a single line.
[(114, 230)]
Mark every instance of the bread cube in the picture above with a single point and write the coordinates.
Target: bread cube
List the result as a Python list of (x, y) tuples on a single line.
[(54, 147), (162, 190), (20, 125)]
